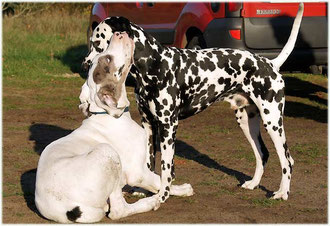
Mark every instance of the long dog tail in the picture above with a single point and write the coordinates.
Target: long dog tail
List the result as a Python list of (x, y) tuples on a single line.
[(287, 49)]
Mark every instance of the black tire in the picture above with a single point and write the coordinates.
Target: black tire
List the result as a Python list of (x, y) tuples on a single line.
[(197, 42)]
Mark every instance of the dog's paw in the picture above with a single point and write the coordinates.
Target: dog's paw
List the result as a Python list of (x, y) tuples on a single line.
[(281, 195), (250, 184), (155, 202), (182, 190)]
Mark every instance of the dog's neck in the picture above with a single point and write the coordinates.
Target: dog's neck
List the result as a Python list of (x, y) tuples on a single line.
[(147, 53), (104, 112)]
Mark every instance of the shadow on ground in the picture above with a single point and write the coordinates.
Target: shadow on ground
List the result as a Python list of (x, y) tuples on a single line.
[(303, 89), (73, 58), (28, 184)]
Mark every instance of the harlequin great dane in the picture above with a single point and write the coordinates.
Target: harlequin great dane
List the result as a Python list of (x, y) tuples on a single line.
[(174, 84), (78, 173)]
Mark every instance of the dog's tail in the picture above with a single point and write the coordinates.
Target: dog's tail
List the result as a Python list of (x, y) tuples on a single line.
[(287, 49)]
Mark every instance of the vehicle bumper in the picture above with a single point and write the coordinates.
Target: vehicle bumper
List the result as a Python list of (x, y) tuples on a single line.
[(217, 35)]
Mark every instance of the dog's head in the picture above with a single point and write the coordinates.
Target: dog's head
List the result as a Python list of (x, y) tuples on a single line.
[(101, 36), (105, 85)]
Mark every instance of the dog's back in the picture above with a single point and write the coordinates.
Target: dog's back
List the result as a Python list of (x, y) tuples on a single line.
[(77, 173)]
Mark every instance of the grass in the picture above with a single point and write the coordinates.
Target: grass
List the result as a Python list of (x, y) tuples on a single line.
[(39, 48), (227, 191), (310, 153), (11, 189), (214, 129), (306, 96), (36, 52)]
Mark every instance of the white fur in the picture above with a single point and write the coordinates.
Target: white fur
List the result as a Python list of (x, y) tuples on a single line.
[(89, 167)]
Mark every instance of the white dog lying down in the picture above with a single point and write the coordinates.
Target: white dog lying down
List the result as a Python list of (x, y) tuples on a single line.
[(79, 173)]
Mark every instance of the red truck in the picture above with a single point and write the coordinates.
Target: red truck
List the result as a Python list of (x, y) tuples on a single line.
[(260, 27)]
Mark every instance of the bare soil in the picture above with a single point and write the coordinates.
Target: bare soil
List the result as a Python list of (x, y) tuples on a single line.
[(212, 155)]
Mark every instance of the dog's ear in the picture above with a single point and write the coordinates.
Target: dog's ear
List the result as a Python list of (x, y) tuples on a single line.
[(120, 24), (126, 26)]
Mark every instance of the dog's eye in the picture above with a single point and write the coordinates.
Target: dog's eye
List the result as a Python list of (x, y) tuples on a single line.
[(108, 58)]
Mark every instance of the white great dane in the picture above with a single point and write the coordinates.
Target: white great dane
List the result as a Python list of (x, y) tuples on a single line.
[(79, 175)]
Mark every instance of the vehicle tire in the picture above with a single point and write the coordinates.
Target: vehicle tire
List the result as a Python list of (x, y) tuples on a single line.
[(197, 42), (316, 70)]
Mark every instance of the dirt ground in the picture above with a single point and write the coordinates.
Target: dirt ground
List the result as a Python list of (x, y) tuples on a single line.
[(212, 155)]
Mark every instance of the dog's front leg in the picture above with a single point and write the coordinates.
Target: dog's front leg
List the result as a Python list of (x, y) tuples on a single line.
[(167, 132), (120, 208)]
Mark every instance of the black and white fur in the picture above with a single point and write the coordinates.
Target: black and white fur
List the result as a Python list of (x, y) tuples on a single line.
[(174, 84)]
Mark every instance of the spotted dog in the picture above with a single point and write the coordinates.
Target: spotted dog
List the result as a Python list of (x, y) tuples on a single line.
[(78, 173), (174, 84)]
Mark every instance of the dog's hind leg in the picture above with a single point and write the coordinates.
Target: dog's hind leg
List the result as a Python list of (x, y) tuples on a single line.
[(248, 119), (151, 182), (272, 116)]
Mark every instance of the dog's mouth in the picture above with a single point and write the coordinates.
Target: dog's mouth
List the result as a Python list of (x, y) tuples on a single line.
[(108, 100)]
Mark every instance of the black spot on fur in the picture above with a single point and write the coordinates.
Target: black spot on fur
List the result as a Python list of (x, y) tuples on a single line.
[(74, 214), (280, 131), (284, 170), (280, 107), (280, 122)]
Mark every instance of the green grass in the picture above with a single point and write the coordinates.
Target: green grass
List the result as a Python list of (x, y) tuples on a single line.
[(317, 79), (265, 202), (38, 55), (11, 189), (225, 191), (244, 153), (39, 47), (309, 153)]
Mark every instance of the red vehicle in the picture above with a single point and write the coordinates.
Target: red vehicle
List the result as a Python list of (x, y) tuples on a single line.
[(259, 27)]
